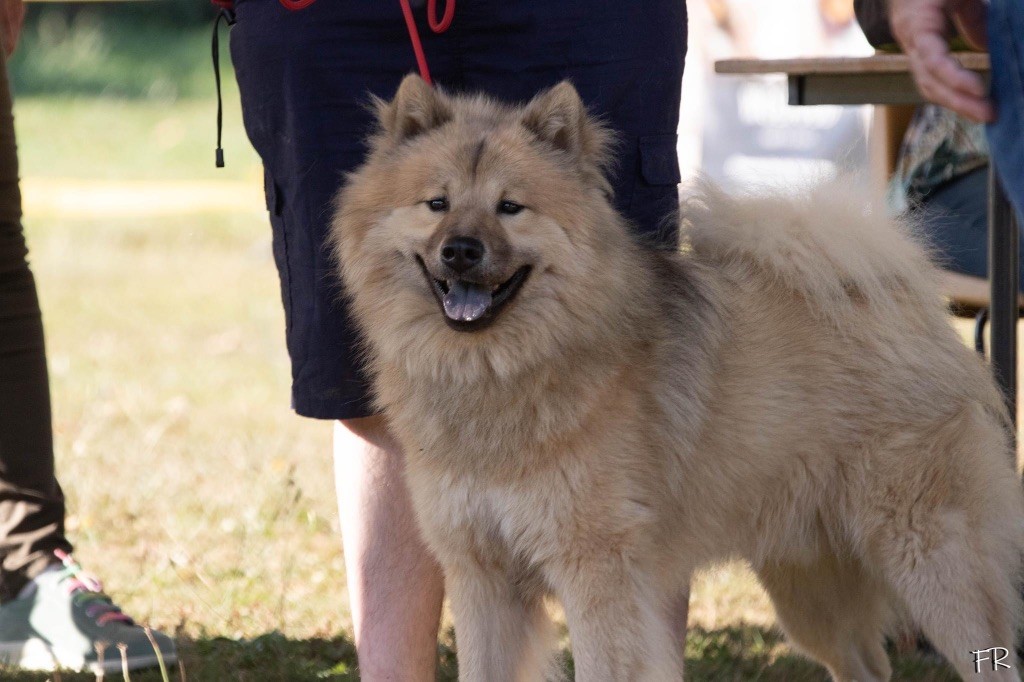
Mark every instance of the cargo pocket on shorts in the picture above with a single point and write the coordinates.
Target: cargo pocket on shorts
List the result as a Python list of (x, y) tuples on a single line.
[(655, 200), (659, 162), (279, 243)]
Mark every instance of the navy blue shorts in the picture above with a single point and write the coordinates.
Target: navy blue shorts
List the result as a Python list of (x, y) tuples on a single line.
[(305, 77)]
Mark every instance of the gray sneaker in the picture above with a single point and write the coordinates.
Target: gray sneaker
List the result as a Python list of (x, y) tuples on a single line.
[(66, 618)]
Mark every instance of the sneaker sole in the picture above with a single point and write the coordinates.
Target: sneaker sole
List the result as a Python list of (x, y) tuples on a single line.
[(36, 654)]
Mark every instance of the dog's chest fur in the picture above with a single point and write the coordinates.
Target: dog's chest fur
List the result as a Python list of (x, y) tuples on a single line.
[(511, 479), (506, 530)]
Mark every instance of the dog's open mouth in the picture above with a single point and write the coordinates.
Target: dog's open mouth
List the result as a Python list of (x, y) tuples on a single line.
[(471, 306)]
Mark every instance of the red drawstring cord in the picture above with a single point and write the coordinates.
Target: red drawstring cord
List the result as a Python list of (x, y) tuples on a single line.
[(410, 24), (414, 35), (446, 21)]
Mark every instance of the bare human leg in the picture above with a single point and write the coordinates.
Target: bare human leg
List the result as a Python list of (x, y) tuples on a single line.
[(395, 587)]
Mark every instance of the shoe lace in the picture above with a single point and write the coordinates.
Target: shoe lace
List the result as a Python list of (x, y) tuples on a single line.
[(87, 591)]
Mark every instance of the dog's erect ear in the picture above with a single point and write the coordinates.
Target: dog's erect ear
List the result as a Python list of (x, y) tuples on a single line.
[(416, 108), (559, 117)]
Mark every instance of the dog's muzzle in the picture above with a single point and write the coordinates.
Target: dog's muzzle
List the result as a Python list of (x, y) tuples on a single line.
[(472, 306)]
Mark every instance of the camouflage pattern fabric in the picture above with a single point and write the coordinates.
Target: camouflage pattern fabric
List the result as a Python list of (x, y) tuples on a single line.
[(939, 146)]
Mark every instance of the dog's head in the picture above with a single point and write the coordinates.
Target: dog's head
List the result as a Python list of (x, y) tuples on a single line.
[(475, 224)]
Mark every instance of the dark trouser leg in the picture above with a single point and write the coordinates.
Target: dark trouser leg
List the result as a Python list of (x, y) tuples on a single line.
[(31, 501)]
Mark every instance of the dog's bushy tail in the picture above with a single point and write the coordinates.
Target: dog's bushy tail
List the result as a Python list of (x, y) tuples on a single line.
[(827, 243)]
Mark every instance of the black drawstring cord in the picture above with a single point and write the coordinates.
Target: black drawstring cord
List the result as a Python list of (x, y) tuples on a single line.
[(229, 18)]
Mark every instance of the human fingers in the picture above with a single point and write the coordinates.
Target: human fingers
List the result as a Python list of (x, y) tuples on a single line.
[(942, 80)]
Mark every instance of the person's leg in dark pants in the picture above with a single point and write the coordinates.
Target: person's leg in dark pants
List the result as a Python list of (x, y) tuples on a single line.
[(51, 613), (31, 502)]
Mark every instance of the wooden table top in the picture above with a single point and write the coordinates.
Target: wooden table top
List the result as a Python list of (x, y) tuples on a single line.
[(879, 63)]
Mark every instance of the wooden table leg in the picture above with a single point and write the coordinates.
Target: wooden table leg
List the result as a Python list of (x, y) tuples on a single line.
[(1003, 241)]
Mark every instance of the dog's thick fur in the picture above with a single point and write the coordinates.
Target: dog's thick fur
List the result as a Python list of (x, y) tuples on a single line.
[(787, 389)]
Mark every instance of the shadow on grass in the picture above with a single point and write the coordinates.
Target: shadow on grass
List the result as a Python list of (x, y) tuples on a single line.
[(747, 652), (267, 658), (731, 654)]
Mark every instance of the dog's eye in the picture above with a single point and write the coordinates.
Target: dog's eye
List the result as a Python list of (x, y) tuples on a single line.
[(438, 204), (509, 207)]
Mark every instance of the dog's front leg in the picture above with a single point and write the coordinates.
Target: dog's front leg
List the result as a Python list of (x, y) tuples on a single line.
[(619, 624), (502, 631)]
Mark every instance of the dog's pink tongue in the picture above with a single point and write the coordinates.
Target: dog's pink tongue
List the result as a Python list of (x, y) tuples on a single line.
[(466, 302)]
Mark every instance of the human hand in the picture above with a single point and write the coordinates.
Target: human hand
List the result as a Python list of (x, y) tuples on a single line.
[(922, 28), (12, 16)]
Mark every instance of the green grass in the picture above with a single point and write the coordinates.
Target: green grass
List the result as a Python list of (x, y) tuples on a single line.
[(202, 501), (123, 139)]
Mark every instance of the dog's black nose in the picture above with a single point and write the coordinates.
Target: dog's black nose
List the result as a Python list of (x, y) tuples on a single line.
[(462, 253)]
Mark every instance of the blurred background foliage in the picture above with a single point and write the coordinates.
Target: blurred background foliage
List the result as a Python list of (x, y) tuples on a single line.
[(147, 49), (125, 90)]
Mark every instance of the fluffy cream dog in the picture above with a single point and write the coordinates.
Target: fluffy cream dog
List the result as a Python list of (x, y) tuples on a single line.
[(592, 419)]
